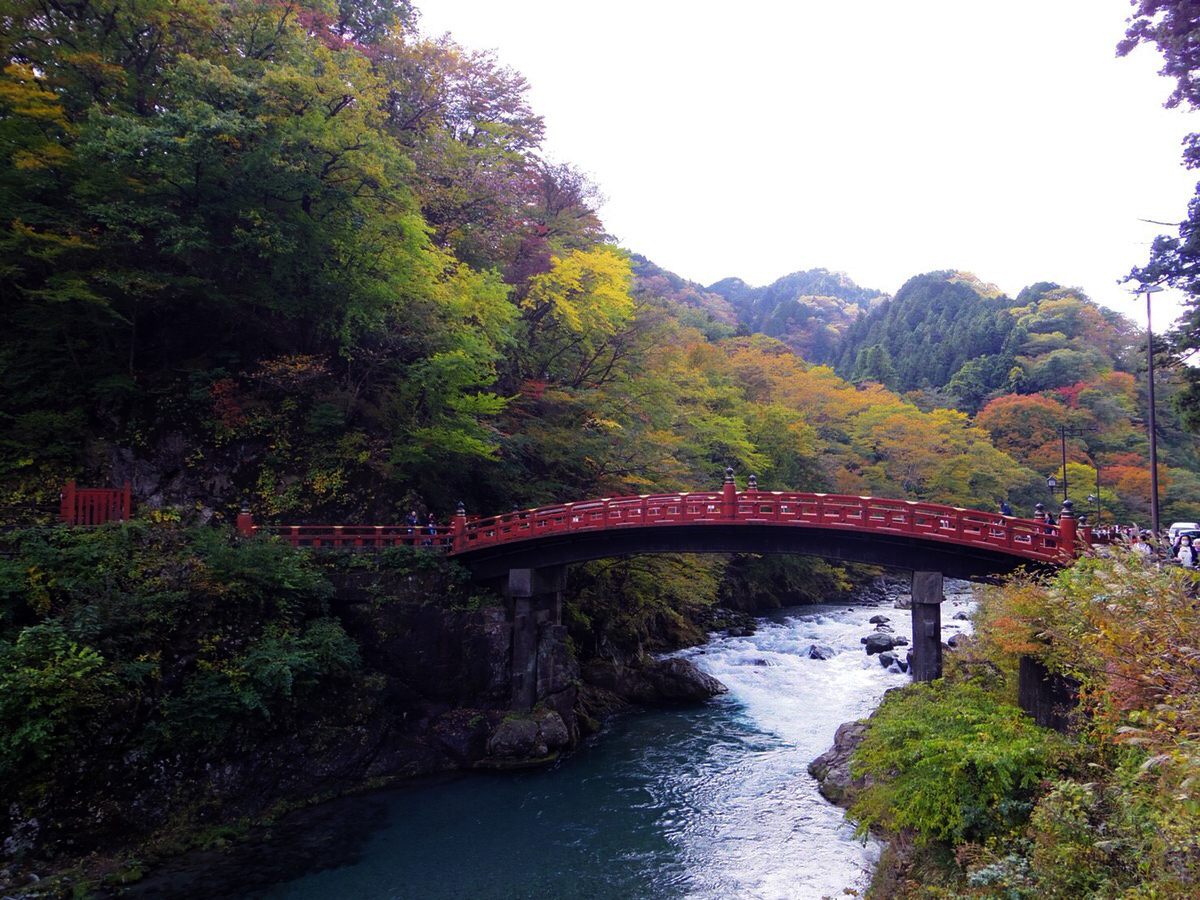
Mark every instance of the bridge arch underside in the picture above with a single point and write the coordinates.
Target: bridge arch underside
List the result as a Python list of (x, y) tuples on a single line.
[(897, 551)]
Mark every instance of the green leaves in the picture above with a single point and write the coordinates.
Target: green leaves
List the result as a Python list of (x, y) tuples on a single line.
[(278, 669), (53, 694), (134, 635), (951, 763)]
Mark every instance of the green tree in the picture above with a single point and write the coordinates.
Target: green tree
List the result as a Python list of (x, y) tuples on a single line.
[(1171, 27)]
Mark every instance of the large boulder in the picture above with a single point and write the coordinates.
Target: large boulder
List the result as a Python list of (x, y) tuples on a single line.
[(832, 768), (878, 642), (654, 681), (526, 739)]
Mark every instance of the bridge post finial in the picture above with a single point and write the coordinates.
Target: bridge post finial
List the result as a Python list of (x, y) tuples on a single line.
[(458, 528), (1067, 530), (245, 520), (729, 497), (753, 484)]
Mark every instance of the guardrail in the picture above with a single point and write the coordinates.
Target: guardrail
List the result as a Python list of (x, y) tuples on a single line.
[(1027, 538), (1024, 537), (352, 536)]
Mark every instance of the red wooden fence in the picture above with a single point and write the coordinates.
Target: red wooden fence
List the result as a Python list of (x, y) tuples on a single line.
[(94, 506)]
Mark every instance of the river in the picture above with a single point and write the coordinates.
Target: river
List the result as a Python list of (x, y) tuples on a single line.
[(713, 801)]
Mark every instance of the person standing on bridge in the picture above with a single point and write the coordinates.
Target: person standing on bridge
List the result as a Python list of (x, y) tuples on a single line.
[(1141, 543), (1184, 552), (1005, 509)]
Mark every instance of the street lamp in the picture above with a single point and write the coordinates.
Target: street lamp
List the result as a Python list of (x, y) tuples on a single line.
[(1062, 436), (1095, 498), (1149, 289)]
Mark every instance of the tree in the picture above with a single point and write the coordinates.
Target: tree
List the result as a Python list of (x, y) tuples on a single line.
[(1020, 424), (466, 123), (874, 364), (205, 196), (1174, 28)]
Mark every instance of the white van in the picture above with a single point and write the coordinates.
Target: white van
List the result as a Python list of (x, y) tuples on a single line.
[(1176, 527)]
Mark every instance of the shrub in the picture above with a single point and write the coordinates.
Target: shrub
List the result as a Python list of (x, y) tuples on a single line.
[(951, 763)]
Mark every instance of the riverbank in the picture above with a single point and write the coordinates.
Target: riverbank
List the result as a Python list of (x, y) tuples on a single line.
[(227, 683), (704, 800)]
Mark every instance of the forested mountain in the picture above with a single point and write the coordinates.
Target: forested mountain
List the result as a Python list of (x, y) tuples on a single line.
[(809, 311), (924, 335), (948, 331), (1047, 374)]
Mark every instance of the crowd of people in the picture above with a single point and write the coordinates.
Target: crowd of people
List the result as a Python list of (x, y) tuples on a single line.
[(1183, 548)]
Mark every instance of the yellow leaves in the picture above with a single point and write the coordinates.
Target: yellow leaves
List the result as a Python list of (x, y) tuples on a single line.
[(39, 591), (290, 372), (24, 96), (476, 303), (584, 291)]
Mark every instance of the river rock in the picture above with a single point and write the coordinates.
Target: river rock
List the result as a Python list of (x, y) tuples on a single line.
[(527, 738), (654, 681), (462, 734), (888, 659), (832, 768), (958, 640), (879, 620), (877, 642), (820, 651)]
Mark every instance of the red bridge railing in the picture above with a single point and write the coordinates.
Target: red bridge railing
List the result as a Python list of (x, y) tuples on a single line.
[(1026, 538), (352, 536), (1022, 537)]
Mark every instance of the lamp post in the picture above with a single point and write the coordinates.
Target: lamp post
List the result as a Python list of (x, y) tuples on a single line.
[(1095, 498), (1148, 290), (1062, 436), (1064, 432)]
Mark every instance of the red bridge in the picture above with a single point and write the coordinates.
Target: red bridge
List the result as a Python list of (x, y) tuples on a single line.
[(959, 543), (526, 552)]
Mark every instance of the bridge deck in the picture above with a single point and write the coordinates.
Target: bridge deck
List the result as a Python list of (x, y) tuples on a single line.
[(1022, 537), (889, 532)]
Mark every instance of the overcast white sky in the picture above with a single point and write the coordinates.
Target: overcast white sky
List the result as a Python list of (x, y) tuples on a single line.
[(878, 138)]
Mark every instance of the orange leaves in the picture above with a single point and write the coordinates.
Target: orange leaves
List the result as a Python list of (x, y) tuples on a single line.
[(1123, 626), (1021, 423), (1015, 637), (226, 405)]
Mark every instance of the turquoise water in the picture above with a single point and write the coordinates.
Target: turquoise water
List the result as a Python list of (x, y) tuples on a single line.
[(603, 823), (712, 801)]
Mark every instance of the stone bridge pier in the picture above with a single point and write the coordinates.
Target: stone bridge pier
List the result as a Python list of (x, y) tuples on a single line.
[(534, 601)]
